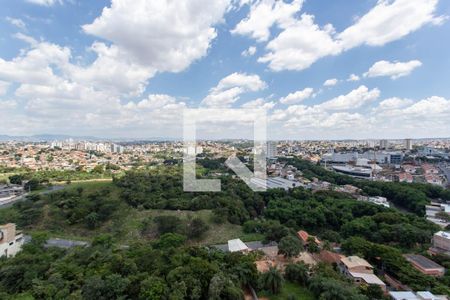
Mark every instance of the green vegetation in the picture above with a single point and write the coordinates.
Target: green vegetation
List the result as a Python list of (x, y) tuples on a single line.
[(291, 291), (412, 197), (82, 211), (163, 226), (58, 176), (272, 281), (290, 246), (392, 261), (159, 270)]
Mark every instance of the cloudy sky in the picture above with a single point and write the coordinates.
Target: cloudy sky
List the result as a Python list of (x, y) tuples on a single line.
[(322, 69)]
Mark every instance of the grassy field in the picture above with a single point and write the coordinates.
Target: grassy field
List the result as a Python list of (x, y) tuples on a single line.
[(289, 288), (217, 233), (127, 223)]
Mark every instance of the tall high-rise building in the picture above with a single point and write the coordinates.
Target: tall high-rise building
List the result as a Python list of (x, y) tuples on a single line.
[(408, 144), (272, 149), (384, 144)]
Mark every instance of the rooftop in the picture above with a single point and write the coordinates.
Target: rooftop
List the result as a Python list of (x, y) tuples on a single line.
[(236, 245), (355, 261), (443, 234), (403, 296), (368, 278), (422, 261)]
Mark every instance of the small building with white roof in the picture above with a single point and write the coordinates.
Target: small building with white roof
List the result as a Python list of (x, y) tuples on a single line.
[(237, 245)]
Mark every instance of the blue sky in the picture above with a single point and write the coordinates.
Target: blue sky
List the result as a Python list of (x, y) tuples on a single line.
[(125, 68)]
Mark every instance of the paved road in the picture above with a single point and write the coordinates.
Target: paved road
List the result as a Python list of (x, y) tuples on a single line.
[(60, 243), (23, 197)]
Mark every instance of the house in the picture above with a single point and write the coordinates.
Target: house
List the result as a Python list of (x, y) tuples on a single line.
[(441, 243), (367, 279), (403, 296), (425, 295), (11, 241), (425, 265), (303, 236), (237, 245), (405, 177), (378, 200), (328, 257), (360, 271), (411, 169), (351, 189), (354, 264), (429, 169), (434, 179)]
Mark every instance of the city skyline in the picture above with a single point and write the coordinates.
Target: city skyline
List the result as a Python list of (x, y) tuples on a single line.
[(82, 69)]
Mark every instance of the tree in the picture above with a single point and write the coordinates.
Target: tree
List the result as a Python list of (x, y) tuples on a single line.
[(93, 288), (373, 291), (98, 169), (153, 288), (197, 228), (92, 220), (272, 280), (170, 240), (331, 289), (178, 291), (16, 179), (32, 184), (216, 286), (274, 231), (167, 224), (297, 273), (219, 215), (312, 245), (289, 246)]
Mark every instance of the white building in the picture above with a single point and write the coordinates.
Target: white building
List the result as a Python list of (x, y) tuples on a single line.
[(117, 148), (424, 295), (379, 201), (441, 242), (384, 144), (272, 149), (11, 241), (237, 246), (408, 144)]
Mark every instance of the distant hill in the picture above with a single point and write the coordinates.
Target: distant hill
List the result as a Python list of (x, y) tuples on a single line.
[(45, 138), (59, 137)]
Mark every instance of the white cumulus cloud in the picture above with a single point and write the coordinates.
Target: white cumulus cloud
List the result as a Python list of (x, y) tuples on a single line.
[(330, 82), (264, 14), (300, 45), (164, 35), (45, 2), (301, 42), (229, 89), (353, 77), (259, 103), (392, 69), (249, 52), (297, 96), (355, 99)]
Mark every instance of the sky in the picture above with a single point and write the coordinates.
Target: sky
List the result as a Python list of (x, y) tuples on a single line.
[(341, 69)]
